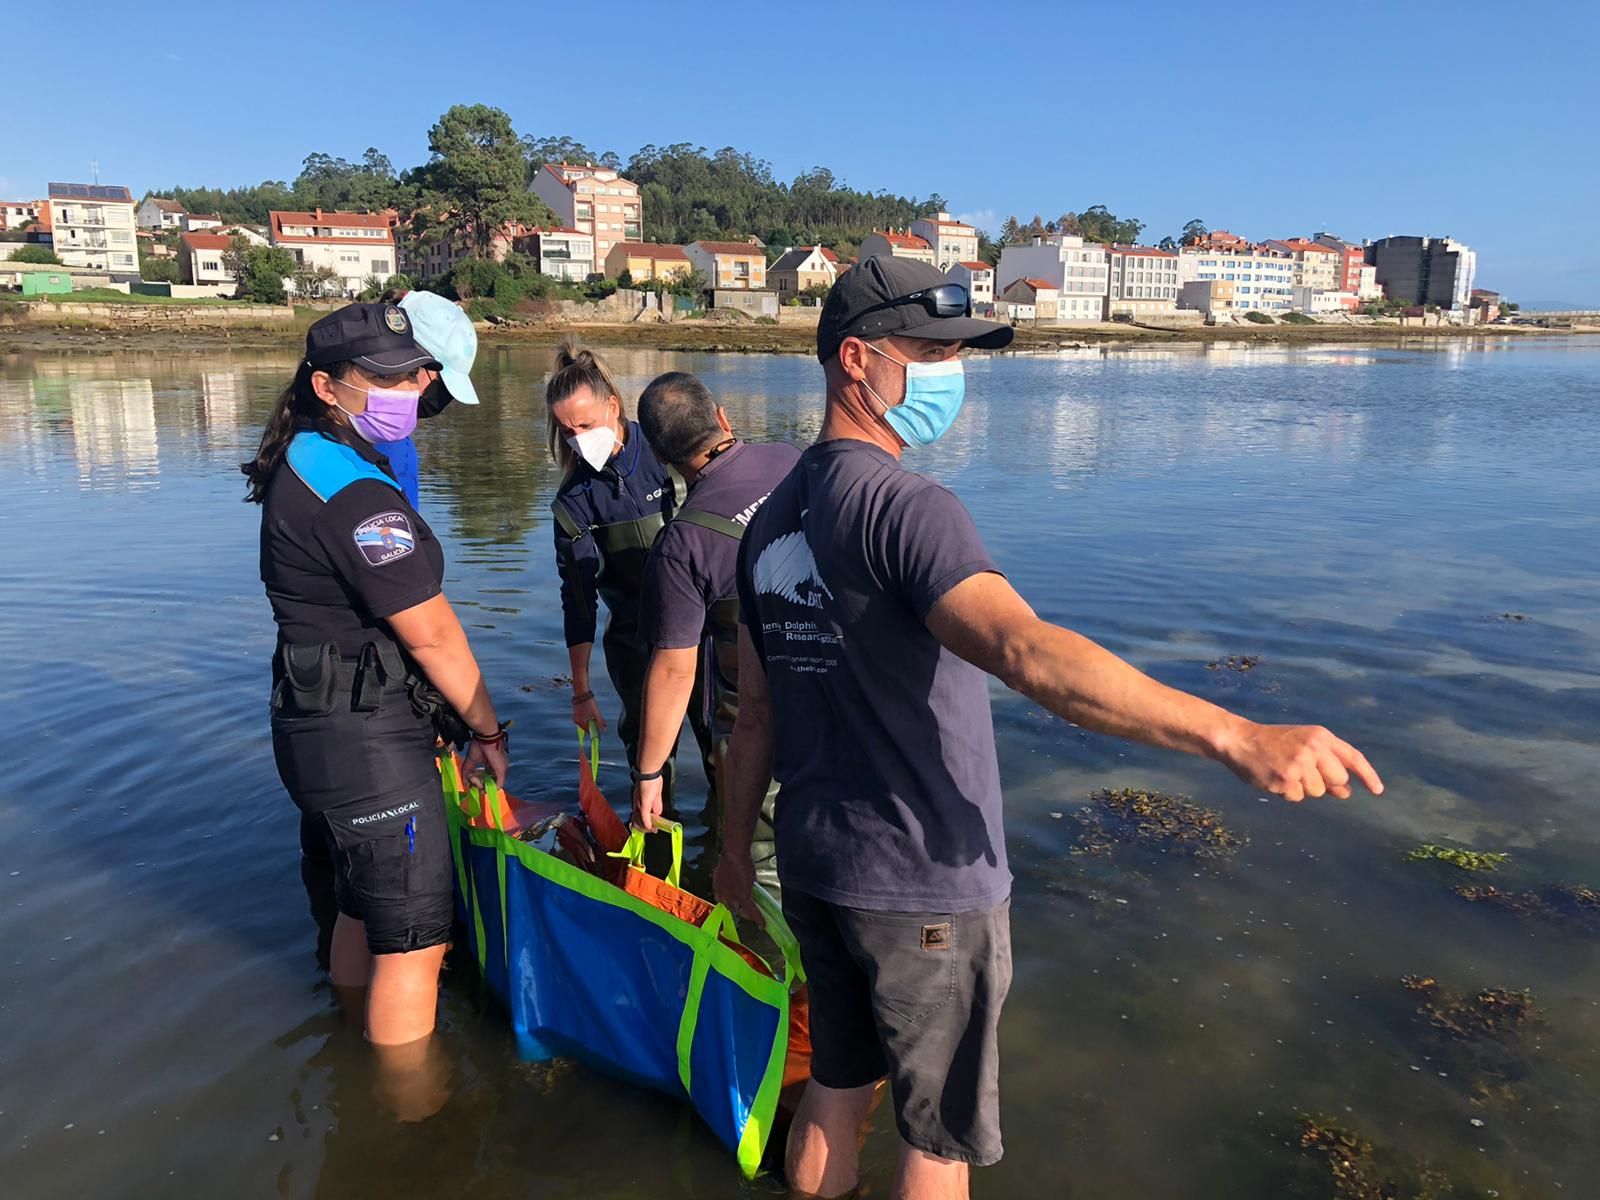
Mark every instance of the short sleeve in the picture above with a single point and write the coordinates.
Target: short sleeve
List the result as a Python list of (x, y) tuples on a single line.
[(672, 604), (930, 544), (378, 545), (749, 616)]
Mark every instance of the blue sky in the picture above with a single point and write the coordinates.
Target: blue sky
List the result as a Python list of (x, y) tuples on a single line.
[(1271, 119)]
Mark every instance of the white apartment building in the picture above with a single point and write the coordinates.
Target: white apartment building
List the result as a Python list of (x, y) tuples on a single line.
[(593, 200), (200, 222), (14, 212), (1142, 282), (93, 226), (951, 241), (1079, 272), (200, 258), (352, 245), (156, 213), (1262, 278), (977, 277), (561, 253)]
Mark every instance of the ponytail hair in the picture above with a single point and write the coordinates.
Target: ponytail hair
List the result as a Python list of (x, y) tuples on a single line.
[(576, 367), (297, 407)]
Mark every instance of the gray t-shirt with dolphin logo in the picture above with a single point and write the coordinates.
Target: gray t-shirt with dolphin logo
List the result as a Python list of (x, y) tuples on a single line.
[(882, 739)]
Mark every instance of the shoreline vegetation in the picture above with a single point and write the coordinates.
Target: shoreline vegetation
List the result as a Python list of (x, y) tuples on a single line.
[(742, 337)]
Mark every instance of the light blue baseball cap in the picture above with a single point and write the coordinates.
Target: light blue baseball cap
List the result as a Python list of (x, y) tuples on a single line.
[(444, 331)]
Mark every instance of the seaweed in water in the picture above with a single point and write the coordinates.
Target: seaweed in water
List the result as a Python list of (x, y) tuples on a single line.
[(1466, 860), (1565, 903), (1481, 1035), (1242, 663), (1355, 1171), (1172, 823), (1495, 1014)]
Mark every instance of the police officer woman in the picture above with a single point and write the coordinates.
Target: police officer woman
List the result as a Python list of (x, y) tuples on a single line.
[(368, 647), (613, 501)]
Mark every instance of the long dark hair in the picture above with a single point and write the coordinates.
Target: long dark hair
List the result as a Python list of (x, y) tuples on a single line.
[(298, 407)]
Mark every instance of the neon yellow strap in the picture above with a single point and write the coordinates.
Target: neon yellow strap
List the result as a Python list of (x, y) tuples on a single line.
[(633, 849), (593, 736), (780, 933), (718, 924)]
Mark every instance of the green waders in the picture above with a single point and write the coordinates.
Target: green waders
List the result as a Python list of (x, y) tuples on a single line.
[(721, 680)]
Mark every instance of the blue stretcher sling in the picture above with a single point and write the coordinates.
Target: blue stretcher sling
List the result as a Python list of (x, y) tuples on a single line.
[(590, 971)]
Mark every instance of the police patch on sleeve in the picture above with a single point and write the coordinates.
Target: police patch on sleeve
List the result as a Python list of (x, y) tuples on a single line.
[(385, 537)]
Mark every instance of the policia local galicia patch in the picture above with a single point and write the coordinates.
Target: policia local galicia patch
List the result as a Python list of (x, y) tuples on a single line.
[(385, 537)]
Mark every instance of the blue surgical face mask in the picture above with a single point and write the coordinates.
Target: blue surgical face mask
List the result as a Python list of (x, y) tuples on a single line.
[(934, 392)]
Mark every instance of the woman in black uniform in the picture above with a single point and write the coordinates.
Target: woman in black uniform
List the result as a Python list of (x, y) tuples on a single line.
[(614, 499), (369, 652)]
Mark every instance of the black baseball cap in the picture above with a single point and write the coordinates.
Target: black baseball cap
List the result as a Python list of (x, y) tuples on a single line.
[(376, 337), (883, 296)]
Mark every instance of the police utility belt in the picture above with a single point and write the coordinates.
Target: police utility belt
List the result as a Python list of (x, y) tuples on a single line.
[(316, 681)]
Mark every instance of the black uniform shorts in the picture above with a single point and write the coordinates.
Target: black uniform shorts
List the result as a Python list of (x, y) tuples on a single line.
[(367, 783), (916, 997)]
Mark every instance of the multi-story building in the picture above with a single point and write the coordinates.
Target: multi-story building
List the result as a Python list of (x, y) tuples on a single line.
[(1211, 297), (730, 264), (157, 213), (1078, 270), (1038, 295), (200, 258), (646, 260), (1262, 278), (1368, 288), (1423, 270), (802, 267), (1318, 302), (352, 245), (93, 226), (977, 277), (593, 200), (1141, 282), (951, 241), (1352, 257), (200, 222), (561, 253), (897, 244), (1316, 266), (16, 213)]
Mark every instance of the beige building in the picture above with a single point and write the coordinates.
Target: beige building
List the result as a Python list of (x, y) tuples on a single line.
[(1213, 297), (93, 226), (977, 277), (897, 245), (730, 264), (1038, 294), (352, 245), (593, 200), (200, 258), (1078, 270), (801, 268), (646, 260), (951, 241), (1141, 282), (1317, 267)]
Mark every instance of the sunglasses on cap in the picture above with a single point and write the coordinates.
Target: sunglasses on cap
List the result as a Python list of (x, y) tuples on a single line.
[(946, 300)]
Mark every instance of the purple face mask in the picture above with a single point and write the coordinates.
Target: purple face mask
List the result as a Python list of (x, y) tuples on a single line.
[(390, 417)]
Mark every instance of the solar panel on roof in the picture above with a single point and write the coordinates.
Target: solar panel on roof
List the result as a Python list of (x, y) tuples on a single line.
[(88, 191)]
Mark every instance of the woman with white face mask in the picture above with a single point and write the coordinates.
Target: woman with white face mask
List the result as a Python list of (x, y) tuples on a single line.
[(613, 501)]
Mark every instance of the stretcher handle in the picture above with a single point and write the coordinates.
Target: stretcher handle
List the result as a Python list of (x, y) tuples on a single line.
[(633, 849), (780, 933)]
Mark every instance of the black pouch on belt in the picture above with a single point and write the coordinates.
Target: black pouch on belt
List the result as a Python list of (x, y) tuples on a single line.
[(310, 679), (427, 701)]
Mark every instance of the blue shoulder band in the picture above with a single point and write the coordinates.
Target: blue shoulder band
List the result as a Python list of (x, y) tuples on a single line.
[(327, 467)]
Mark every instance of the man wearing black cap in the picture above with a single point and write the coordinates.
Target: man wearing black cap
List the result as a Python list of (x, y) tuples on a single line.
[(870, 613)]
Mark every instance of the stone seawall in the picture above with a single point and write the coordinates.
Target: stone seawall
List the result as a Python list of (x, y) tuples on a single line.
[(140, 317)]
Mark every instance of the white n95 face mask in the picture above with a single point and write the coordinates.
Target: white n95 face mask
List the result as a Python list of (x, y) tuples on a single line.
[(594, 446)]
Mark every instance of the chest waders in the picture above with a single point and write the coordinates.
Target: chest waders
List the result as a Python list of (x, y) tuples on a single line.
[(623, 548), (720, 680)]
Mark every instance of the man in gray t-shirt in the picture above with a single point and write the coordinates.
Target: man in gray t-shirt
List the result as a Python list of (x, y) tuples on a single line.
[(870, 616)]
